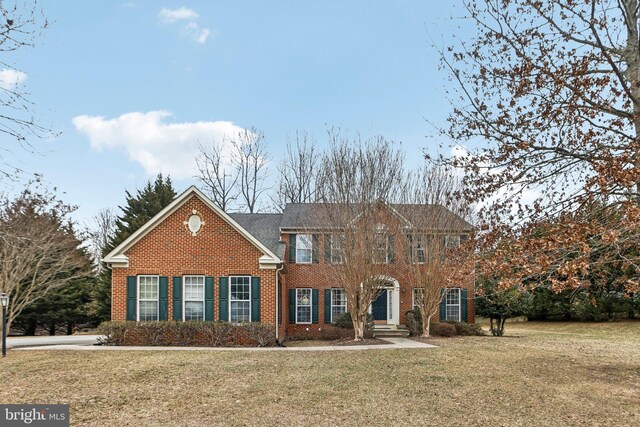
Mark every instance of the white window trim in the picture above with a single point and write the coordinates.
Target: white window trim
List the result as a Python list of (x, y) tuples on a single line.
[(459, 305), (413, 297), (298, 247), (386, 242), (310, 306), (138, 297), (423, 239), (184, 295), (229, 298), (346, 303)]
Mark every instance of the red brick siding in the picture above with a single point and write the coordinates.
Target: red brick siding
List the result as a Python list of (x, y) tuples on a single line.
[(218, 250)]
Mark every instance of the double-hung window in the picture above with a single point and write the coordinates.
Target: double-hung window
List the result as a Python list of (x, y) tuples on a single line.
[(148, 298), (451, 241), (338, 303), (417, 298), (303, 305), (419, 245), (193, 297), (453, 305), (336, 248), (240, 299), (381, 248), (304, 248)]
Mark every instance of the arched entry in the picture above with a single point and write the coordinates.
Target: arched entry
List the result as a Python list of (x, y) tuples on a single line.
[(386, 308)]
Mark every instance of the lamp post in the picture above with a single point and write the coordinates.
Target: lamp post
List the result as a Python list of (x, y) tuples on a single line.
[(4, 301)]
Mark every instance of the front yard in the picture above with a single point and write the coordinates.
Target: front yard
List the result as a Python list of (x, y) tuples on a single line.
[(543, 374)]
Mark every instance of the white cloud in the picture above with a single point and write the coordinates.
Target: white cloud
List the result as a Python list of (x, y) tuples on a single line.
[(10, 79), (195, 33), (172, 15), (148, 139)]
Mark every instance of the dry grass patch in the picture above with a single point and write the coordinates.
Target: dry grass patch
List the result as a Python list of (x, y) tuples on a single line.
[(586, 374)]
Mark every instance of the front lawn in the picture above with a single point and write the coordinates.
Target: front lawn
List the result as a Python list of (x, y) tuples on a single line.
[(545, 374)]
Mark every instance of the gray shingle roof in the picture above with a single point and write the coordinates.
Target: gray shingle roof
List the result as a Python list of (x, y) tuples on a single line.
[(264, 227)]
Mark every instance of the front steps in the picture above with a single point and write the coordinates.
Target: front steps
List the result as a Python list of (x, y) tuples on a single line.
[(390, 331)]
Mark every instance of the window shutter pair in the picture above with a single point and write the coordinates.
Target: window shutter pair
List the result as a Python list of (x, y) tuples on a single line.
[(132, 297), (223, 299), (177, 298), (314, 305)]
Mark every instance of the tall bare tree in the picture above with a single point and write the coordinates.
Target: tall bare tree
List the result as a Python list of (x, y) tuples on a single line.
[(297, 171), (250, 158), (553, 87), (357, 181), (217, 174), (21, 24), (39, 251), (100, 235)]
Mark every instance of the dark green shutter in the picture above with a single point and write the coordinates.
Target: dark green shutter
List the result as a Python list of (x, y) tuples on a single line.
[(327, 306), (208, 298), (391, 255), (327, 248), (163, 298), (255, 299), (292, 306), (314, 306), (223, 299), (292, 248), (443, 305), (315, 249), (463, 305), (177, 298), (132, 291)]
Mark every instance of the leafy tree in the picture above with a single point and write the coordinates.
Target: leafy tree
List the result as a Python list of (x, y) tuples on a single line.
[(139, 209), (500, 304)]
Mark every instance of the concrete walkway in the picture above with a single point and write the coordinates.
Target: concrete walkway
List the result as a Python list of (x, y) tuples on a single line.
[(15, 342), (395, 343)]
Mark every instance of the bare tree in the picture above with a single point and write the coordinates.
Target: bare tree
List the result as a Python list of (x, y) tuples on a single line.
[(357, 180), (39, 251), (217, 174), (250, 158), (297, 172), (438, 242), (21, 24), (100, 236)]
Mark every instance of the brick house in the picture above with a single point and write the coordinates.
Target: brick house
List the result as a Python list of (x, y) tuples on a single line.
[(193, 261)]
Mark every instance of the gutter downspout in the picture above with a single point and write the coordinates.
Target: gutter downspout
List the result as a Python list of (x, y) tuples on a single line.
[(278, 270)]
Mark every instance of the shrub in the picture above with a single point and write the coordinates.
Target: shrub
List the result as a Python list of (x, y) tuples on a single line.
[(345, 322), (326, 334), (262, 335), (186, 333), (114, 333), (217, 334), (468, 329), (414, 322), (442, 329)]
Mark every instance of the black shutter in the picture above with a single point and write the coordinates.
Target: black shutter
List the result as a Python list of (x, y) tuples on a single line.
[(314, 306), (327, 306), (255, 299), (292, 248), (315, 249), (223, 299), (163, 298), (292, 306), (443, 304), (177, 298), (132, 291), (463, 305), (208, 298)]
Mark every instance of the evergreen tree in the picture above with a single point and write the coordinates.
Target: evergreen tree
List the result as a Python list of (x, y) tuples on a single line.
[(139, 208)]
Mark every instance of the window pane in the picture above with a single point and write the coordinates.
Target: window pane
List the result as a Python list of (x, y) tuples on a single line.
[(194, 310), (304, 315), (240, 311), (304, 297), (148, 310), (304, 247)]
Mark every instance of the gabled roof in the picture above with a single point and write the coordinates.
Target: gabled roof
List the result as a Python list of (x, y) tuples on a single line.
[(300, 216), (265, 227), (117, 256)]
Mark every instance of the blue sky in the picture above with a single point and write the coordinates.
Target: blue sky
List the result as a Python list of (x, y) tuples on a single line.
[(133, 86)]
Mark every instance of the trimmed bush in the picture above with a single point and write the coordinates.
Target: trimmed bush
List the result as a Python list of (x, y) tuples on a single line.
[(345, 322), (442, 329), (414, 322), (468, 329), (190, 333)]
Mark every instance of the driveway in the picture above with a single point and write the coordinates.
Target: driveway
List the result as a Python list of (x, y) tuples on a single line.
[(15, 342)]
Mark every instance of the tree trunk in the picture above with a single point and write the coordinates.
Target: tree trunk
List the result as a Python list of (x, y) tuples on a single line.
[(358, 326), (31, 328), (426, 325), (69, 328), (52, 328)]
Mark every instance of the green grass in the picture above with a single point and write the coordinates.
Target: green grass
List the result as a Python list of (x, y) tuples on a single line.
[(543, 374)]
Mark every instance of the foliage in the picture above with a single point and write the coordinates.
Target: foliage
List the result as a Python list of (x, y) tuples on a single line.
[(414, 322), (442, 329), (468, 329), (500, 304), (326, 334), (191, 333), (138, 210)]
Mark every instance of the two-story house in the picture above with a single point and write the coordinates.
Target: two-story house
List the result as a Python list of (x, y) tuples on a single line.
[(193, 261)]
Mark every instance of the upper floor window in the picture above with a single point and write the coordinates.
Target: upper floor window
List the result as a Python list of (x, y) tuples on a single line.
[(193, 297), (452, 241), (380, 248), (148, 297), (304, 248), (417, 298), (419, 248), (337, 241)]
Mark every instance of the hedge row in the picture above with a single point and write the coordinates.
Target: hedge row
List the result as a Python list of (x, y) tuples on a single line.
[(441, 329), (189, 333)]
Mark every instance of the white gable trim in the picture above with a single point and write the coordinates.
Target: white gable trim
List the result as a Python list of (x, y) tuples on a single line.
[(117, 258)]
